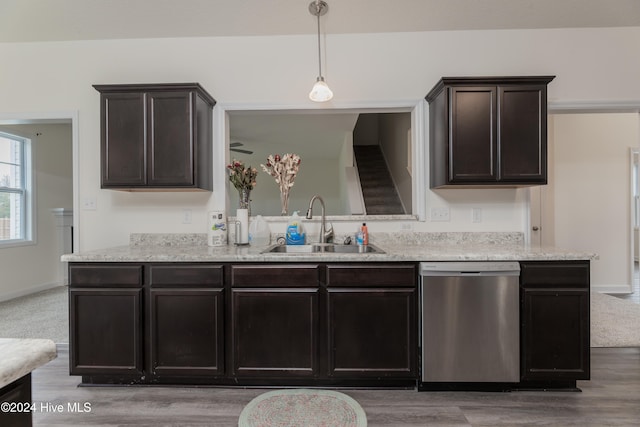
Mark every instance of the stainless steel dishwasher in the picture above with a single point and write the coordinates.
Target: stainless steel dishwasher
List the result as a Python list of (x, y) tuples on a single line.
[(470, 322)]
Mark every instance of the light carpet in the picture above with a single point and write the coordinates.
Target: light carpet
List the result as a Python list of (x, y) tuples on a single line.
[(44, 314), (303, 407), (614, 322)]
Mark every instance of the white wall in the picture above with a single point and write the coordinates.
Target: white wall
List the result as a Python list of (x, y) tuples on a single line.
[(393, 142), (321, 176), (26, 269), (402, 66), (590, 191)]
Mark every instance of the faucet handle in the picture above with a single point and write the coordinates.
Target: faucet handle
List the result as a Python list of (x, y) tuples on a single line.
[(328, 234)]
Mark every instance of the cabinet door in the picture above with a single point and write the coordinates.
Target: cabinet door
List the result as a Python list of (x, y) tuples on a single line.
[(170, 138), (105, 328), (472, 149), (555, 334), (522, 134), (186, 331), (274, 332), (372, 332), (18, 393), (123, 135)]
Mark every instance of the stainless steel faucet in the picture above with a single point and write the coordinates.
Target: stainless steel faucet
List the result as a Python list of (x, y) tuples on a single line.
[(326, 236)]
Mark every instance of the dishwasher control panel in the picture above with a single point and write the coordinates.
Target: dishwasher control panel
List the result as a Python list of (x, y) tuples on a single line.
[(469, 267)]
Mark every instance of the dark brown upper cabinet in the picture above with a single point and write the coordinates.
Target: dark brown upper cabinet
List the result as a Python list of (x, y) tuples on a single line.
[(488, 131), (156, 136)]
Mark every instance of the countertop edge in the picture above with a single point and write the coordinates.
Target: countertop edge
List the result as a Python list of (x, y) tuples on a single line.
[(19, 357), (392, 254)]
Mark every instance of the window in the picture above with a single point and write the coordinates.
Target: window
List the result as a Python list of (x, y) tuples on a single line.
[(15, 189)]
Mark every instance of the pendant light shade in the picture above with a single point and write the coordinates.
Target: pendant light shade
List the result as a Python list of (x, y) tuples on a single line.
[(320, 91)]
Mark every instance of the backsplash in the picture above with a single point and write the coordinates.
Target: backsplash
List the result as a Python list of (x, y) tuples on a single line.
[(408, 238)]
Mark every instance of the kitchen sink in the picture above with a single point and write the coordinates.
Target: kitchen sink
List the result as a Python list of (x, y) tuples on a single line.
[(320, 248)]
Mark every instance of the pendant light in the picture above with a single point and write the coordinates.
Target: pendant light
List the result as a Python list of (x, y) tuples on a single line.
[(320, 91)]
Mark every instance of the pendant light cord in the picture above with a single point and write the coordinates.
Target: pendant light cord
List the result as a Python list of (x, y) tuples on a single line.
[(319, 52)]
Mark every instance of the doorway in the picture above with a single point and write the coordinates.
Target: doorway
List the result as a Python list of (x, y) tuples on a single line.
[(53, 147), (586, 205)]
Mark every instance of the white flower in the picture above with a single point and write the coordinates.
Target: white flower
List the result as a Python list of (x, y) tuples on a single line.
[(283, 168)]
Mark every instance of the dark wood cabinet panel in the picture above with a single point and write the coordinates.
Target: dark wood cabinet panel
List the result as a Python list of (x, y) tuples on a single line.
[(105, 331), (274, 332), (367, 275), (553, 274), (186, 332), (115, 275), (274, 275), (555, 334), (473, 156), (17, 392), (156, 136), (372, 332), (555, 320), (170, 118), (523, 133), (123, 144), (488, 131), (190, 275)]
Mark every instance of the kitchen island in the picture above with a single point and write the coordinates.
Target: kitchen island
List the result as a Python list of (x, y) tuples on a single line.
[(169, 310)]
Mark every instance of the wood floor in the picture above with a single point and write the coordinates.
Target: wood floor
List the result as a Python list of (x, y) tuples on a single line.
[(611, 398)]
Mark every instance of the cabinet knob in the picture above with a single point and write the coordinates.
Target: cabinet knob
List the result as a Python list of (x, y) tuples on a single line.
[(536, 228)]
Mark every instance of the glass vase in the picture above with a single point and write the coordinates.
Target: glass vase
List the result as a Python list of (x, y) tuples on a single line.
[(244, 199), (284, 200)]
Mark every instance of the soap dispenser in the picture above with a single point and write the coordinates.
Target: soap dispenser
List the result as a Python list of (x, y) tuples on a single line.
[(295, 234), (362, 236), (365, 234)]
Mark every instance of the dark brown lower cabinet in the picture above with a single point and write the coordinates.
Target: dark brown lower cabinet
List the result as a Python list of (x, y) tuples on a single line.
[(555, 321), (244, 323), (17, 393), (185, 323), (186, 332), (372, 332), (275, 332), (371, 320), (105, 331)]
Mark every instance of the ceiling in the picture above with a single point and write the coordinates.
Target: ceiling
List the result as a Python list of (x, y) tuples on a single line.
[(48, 20)]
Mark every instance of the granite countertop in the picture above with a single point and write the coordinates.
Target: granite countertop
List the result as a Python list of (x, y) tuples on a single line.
[(18, 357), (405, 246)]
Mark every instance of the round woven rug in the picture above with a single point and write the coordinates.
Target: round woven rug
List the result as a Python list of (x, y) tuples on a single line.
[(303, 407)]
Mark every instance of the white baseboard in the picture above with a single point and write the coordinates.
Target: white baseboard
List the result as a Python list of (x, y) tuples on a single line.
[(612, 289), (28, 291)]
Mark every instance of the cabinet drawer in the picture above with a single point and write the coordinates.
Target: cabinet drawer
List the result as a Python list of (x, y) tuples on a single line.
[(287, 275), (371, 275), (573, 274), (116, 275), (186, 275)]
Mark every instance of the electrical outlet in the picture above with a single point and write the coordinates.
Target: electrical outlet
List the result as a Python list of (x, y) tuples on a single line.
[(440, 214), (89, 204), (406, 226), (476, 215), (186, 216)]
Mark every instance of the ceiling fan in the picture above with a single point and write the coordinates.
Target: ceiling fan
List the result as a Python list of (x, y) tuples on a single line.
[(233, 147)]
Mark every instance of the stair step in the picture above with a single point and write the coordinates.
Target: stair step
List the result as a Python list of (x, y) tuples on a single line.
[(379, 193)]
